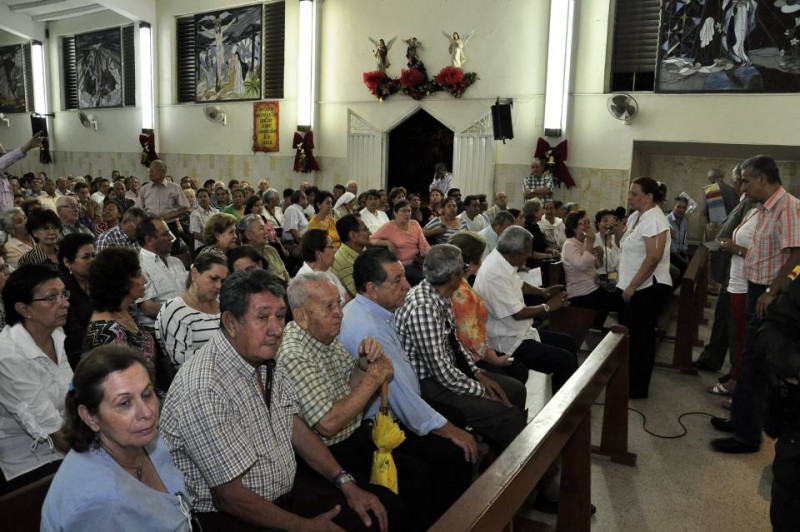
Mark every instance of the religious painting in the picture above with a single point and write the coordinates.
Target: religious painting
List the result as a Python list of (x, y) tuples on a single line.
[(12, 79), (266, 123), (99, 56), (729, 46), (228, 60)]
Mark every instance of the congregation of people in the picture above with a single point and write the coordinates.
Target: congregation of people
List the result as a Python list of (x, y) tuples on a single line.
[(178, 352)]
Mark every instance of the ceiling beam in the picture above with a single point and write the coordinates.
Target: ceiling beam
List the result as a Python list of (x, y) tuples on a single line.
[(69, 13), (20, 25), (139, 10), (33, 5)]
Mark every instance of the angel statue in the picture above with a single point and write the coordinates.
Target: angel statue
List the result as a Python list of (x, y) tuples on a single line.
[(381, 52), (456, 48), (411, 52)]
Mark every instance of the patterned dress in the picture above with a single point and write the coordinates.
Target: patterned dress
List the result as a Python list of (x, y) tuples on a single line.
[(103, 332)]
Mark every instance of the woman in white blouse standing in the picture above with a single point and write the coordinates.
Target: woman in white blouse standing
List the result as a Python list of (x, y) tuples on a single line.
[(644, 277)]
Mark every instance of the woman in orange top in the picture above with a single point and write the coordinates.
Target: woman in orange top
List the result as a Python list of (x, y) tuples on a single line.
[(323, 219), (471, 313)]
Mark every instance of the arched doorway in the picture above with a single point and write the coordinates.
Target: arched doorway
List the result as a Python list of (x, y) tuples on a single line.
[(415, 146)]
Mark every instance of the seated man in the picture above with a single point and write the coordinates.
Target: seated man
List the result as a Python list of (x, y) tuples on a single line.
[(355, 237), (679, 248), (509, 324), (493, 406), (500, 222), (333, 389), (381, 283), (231, 422)]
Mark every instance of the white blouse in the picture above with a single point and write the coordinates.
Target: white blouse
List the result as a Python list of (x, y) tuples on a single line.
[(633, 251)]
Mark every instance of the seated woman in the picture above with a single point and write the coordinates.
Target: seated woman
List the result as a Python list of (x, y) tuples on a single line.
[(13, 222), (406, 237), (581, 258), (471, 313), (246, 258), (34, 376), (605, 222), (439, 230), (419, 213), (44, 226), (186, 323), (323, 219), (435, 203), (552, 226), (532, 213), (318, 254), (236, 208), (76, 254), (346, 204), (115, 283), (272, 207), (119, 474), (219, 234)]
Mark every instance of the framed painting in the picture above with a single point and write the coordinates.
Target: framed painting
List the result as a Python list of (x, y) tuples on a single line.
[(12, 79), (228, 48), (99, 65), (729, 46)]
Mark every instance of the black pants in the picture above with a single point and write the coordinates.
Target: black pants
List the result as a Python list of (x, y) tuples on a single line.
[(603, 302), (642, 316), (784, 511), (722, 338), (554, 355)]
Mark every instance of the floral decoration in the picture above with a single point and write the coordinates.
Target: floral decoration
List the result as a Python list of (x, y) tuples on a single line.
[(414, 82), (379, 84)]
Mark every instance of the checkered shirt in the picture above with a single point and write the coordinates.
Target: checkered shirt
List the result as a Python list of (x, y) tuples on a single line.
[(219, 428), (426, 325), (116, 238), (777, 230), (532, 182), (320, 374)]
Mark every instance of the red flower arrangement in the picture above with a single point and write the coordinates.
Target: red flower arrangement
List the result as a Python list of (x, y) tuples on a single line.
[(415, 83), (454, 80), (379, 84)]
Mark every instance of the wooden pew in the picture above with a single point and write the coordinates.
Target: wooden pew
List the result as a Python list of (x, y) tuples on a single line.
[(21, 509), (573, 321), (691, 303), (561, 427)]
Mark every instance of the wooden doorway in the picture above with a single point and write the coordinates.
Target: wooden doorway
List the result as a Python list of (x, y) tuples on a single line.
[(415, 146)]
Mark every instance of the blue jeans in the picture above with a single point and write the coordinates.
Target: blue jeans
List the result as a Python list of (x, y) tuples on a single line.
[(749, 397)]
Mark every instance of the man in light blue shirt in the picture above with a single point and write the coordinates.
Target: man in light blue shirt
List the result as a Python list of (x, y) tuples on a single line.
[(381, 285)]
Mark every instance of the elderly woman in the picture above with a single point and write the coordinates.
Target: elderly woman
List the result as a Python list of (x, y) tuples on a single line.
[(76, 254), (236, 208), (219, 234), (272, 207), (552, 226), (532, 213), (440, 229), (323, 219), (19, 242), (318, 253), (44, 225), (644, 277), (186, 323), (222, 197), (605, 222), (119, 474), (346, 204), (115, 283), (581, 258), (132, 184), (407, 239), (34, 376), (471, 313)]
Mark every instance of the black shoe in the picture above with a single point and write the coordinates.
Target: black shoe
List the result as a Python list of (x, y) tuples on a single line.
[(732, 446), (702, 367), (546, 506), (722, 424)]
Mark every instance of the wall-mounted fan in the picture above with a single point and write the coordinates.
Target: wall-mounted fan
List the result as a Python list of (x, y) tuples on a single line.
[(623, 107), (214, 113), (87, 121)]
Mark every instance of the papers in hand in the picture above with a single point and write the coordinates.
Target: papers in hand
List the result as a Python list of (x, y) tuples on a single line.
[(712, 245), (532, 277)]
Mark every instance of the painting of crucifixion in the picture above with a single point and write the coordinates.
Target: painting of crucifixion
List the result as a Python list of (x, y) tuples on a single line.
[(99, 56)]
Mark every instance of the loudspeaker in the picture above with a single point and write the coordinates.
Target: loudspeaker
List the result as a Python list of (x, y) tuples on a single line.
[(501, 121)]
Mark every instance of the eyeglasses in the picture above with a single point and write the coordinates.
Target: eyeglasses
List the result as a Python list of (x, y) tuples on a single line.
[(55, 298)]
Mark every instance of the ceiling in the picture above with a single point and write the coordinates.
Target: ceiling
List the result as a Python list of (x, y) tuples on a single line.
[(47, 10)]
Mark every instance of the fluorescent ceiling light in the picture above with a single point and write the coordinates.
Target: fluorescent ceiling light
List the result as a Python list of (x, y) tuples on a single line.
[(146, 68), (305, 65), (559, 57)]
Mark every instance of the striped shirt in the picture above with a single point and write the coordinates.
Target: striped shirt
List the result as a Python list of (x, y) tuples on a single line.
[(181, 330), (777, 231)]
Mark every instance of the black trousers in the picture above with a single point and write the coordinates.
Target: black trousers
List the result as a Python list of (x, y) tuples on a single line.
[(784, 510), (555, 355), (642, 316)]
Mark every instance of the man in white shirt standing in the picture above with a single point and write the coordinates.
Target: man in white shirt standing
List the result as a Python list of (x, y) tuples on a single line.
[(472, 214), (99, 196), (372, 216)]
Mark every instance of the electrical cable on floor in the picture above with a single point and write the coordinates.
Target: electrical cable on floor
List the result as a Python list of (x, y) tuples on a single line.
[(664, 436)]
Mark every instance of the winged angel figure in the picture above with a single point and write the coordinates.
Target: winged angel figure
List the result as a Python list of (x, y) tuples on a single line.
[(381, 52), (456, 48)]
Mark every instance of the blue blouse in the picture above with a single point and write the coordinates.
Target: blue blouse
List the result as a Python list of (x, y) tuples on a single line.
[(92, 492)]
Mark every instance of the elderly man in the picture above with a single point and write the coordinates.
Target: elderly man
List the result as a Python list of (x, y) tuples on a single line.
[(509, 324), (352, 187), (334, 388), (252, 233), (472, 214), (355, 237), (538, 184), (372, 216), (165, 276), (124, 234), (62, 187), (382, 287), (493, 406), (500, 204), (48, 196), (769, 260), (164, 199), (69, 210), (501, 221), (101, 186), (231, 422)]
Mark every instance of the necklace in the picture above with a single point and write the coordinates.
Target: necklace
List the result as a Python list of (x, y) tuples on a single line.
[(138, 467)]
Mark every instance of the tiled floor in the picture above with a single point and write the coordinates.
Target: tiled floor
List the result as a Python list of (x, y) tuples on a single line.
[(678, 484)]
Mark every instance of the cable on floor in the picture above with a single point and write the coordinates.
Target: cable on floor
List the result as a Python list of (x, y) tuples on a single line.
[(665, 436)]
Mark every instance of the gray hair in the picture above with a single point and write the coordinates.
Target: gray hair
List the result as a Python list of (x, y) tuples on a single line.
[(269, 193), (737, 171), (7, 219), (442, 262), (298, 291), (503, 218), (64, 201), (514, 241), (244, 225), (716, 173), (239, 286), (134, 214), (161, 164)]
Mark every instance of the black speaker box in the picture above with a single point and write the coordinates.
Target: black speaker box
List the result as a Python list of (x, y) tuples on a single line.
[(501, 121)]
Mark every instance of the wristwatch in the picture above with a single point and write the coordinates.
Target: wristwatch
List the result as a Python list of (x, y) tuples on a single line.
[(546, 308), (342, 478)]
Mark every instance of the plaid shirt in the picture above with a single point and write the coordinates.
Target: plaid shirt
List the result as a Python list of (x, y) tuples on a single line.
[(342, 267), (116, 238), (219, 428), (320, 374), (426, 326), (532, 182), (777, 231)]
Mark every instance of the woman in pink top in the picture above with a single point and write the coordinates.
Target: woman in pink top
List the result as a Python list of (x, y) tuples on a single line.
[(406, 239)]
